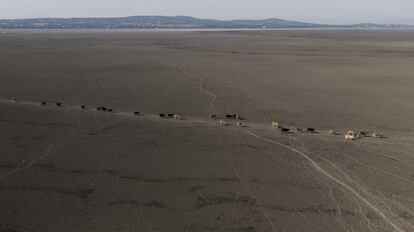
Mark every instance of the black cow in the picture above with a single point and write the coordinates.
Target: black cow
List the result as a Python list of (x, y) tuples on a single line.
[(231, 116), (110, 110), (58, 104), (83, 107), (162, 115), (43, 103), (311, 130), (136, 113), (171, 115), (285, 130)]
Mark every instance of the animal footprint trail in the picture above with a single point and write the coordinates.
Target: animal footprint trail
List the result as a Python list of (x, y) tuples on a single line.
[(384, 215), (49, 151), (208, 92), (202, 87), (247, 187), (360, 187), (385, 155)]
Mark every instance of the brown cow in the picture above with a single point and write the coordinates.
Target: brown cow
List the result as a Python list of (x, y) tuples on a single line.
[(300, 130)]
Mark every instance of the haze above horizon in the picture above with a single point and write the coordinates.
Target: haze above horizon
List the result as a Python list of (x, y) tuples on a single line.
[(317, 11)]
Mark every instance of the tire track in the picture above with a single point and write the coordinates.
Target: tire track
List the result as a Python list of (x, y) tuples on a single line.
[(361, 188), (328, 175)]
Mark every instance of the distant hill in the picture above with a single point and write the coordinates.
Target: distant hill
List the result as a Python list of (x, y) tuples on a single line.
[(176, 22)]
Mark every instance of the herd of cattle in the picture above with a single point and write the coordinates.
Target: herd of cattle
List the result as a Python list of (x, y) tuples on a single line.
[(174, 116), (354, 135), (349, 136), (277, 125)]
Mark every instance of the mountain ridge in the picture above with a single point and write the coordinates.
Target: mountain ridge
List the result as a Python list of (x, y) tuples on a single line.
[(171, 22)]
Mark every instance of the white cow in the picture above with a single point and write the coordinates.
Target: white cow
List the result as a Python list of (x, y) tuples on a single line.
[(333, 131), (276, 125), (355, 134), (350, 137), (238, 116)]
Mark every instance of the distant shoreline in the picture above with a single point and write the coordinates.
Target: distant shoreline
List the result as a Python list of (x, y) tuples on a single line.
[(9, 31), (183, 23)]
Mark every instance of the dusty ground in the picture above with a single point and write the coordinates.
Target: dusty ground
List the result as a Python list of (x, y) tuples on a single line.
[(66, 169)]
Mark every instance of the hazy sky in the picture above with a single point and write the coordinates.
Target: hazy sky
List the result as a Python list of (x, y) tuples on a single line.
[(325, 11)]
